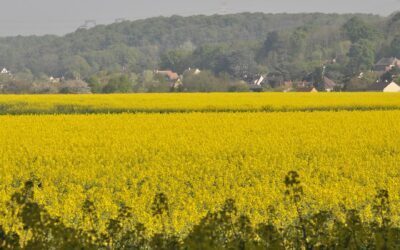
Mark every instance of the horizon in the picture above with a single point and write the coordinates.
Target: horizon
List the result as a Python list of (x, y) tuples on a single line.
[(57, 17)]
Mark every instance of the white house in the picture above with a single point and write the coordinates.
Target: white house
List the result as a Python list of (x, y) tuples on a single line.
[(392, 87), (4, 71), (54, 79), (385, 87), (259, 81)]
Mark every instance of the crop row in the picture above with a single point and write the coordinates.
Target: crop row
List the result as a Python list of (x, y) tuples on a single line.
[(196, 102)]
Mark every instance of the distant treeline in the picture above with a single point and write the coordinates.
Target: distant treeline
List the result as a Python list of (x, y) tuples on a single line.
[(32, 227), (289, 47)]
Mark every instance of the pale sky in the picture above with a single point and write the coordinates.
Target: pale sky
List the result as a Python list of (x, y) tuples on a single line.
[(27, 17)]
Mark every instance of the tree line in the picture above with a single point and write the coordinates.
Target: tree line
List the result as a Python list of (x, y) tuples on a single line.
[(236, 47)]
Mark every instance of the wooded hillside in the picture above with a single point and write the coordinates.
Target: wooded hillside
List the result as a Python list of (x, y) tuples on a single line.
[(240, 46)]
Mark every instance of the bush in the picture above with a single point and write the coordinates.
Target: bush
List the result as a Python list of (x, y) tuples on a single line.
[(118, 84)]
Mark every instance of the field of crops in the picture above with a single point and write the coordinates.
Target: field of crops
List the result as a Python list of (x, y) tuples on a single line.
[(209, 102), (200, 159)]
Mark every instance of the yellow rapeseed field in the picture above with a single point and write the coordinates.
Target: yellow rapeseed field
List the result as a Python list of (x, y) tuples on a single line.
[(200, 159), (186, 102)]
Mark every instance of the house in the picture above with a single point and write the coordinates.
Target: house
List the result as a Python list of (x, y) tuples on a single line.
[(386, 64), (4, 71), (256, 88), (328, 84), (255, 83), (307, 89), (289, 86), (259, 81), (176, 85), (275, 79), (192, 71), (384, 87), (170, 75), (54, 79)]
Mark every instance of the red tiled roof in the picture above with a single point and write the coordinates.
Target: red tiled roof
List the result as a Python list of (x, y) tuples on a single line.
[(170, 74)]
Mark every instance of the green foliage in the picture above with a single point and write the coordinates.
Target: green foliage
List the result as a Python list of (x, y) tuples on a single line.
[(15, 87), (46, 232), (24, 75), (395, 46), (242, 45), (294, 190), (393, 26), (223, 229), (75, 67), (239, 63), (118, 84), (361, 56), (73, 87), (137, 46), (356, 29), (275, 49), (94, 84), (362, 83), (205, 81), (297, 42), (390, 75), (177, 60)]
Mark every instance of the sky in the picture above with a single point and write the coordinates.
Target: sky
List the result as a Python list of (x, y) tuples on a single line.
[(38, 17)]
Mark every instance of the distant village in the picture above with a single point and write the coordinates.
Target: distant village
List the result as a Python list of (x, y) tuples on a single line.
[(383, 66), (169, 81)]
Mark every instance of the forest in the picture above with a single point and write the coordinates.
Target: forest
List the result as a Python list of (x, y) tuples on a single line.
[(230, 50)]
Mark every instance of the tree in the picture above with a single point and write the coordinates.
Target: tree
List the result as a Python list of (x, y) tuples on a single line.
[(361, 56), (240, 64), (234, 44), (395, 46), (76, 67), (94, 84), (273, 42), (361, 83), (15, 87), (177, 60), (203, 82), (125, 56), (24, 75), (391, 75), (209, 57), (275, 49), (118, 84), (74, 87), (356, 30), (297, 42), (393, 25), (317, 78)]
